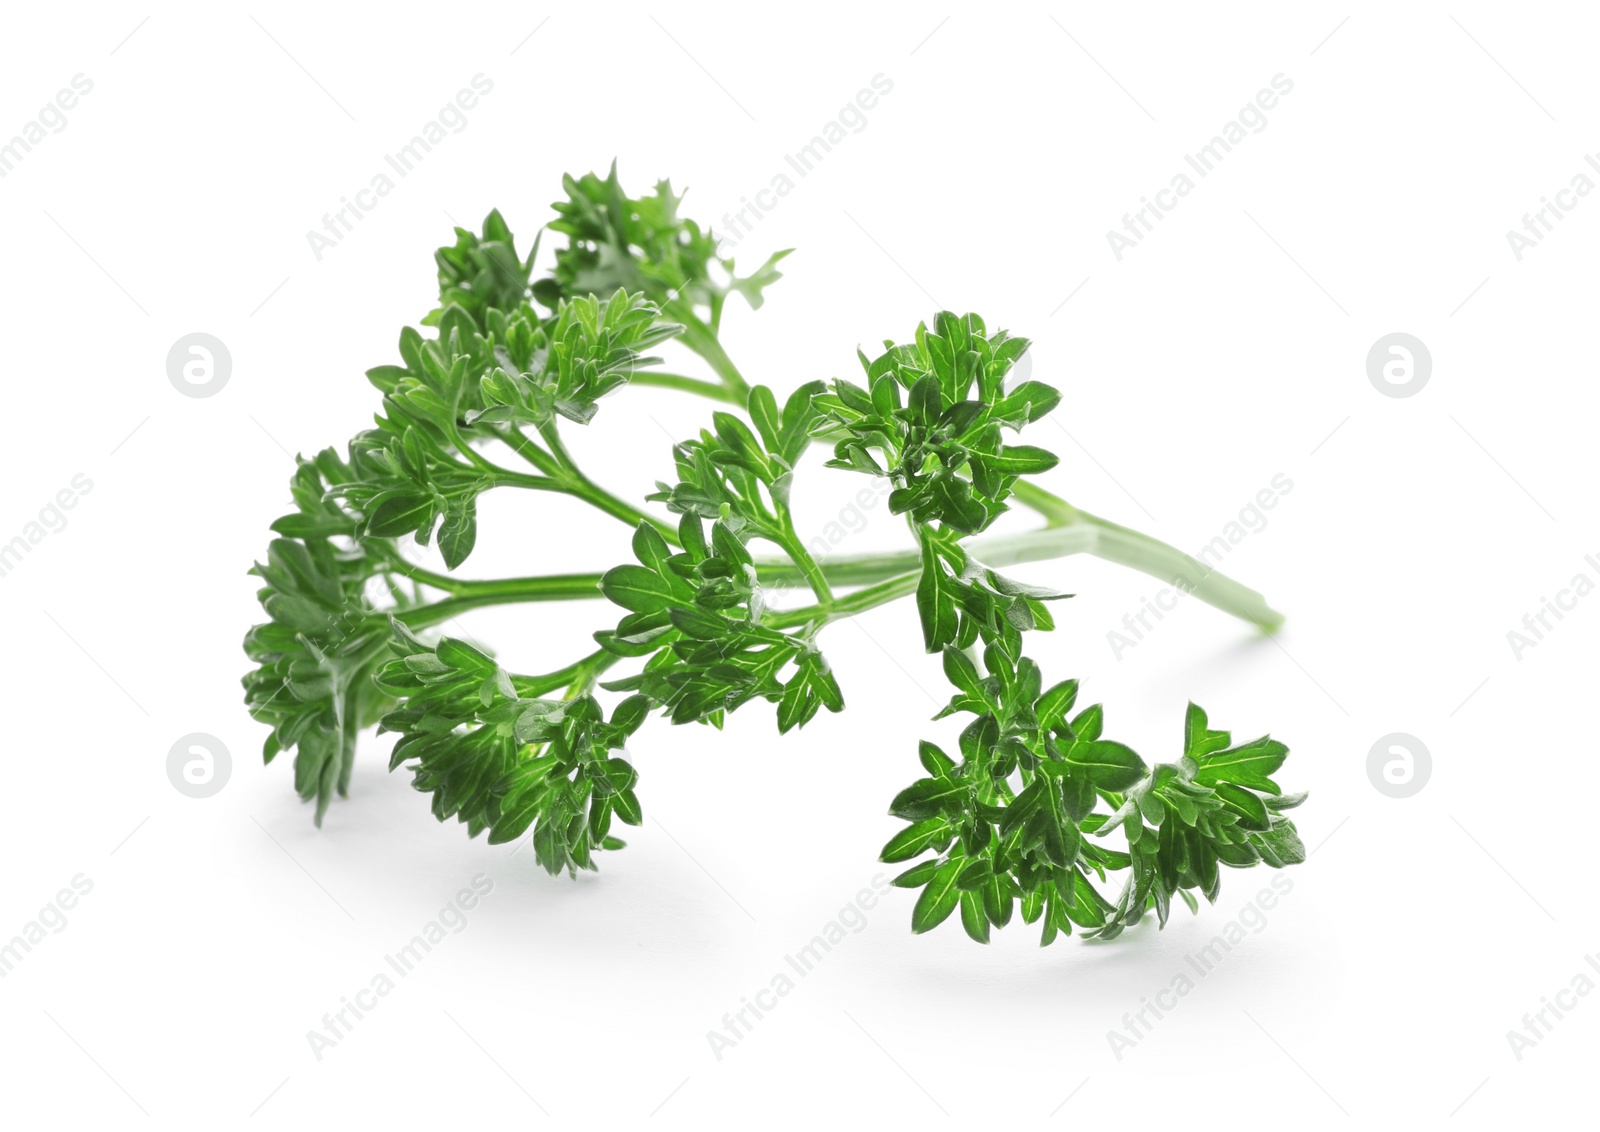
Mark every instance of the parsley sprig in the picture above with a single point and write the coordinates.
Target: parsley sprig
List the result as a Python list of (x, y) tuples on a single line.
[(1035, 811)]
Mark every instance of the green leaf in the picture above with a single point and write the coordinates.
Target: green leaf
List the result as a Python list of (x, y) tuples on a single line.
[(1109, 765), (1280, 845), (998, 900), (626, 805), (398, 513), (1198, 740), (741, 443), (799, 414), (638, 589), (458, 533), (934, 760), (939, 898), (1251, 809), (1023, 460), (960, 671), (460, 655), (935, 603), (1028, 402), (751, 286), (513, 823), (958, 507), (926, 402), (1085, 907), (1055, 704), (763, 409), (917, 875), (973, 917), (1087, 724), (916, 839), (702, 626), (928, 797), (1249, 764), (651, 549)]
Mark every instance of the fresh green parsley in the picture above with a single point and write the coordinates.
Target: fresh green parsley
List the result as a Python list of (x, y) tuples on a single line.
[(1019, 818)]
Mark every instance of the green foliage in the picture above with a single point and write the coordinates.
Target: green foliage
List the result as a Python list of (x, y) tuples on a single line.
[(1033, 811), (482, 273), (641, 244), (1011, 820), (1015, 819), (932, 418), (497, 756), (496, 366), (589, 350), (731, 473), (316, 654), (517, 368), (697, 615)]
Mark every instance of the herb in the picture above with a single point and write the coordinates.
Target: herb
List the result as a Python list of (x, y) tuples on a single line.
[(1018, 819)]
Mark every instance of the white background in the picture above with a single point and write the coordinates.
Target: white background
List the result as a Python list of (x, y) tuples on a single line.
[(1230, 346)]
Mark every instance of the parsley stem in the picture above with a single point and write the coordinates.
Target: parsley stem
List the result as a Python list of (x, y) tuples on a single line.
[(567, 478), (1084, 534), (1057, 512), (687, 385), (789, 539), (478, 459), (519, 442), (429, 578), (868, 597), (518, 479), (703, 340), (502, 591), (884, 576), (577, 677), (551, 435), (1127, 547), (590, 492)]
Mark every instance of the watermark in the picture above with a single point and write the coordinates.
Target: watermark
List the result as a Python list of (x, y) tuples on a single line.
[(851, 119), (737, 1025), (1537, 624), (1251, 519), (51, 920), (337, 1025), (1399, 365), (1399, 765), (199, 365), (451, 119), (1137, 1025), (51, 520), (1252, 119), (1542, 221), (851, 518), (1540, 1024), (198, 765), (51, 119)]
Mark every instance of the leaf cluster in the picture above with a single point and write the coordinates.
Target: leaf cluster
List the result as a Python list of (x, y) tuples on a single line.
[(696, 613), (1014, 822), (931, 418), (315, 655), (498, 756), (642, 244), (496, 364), (731, 473), (1033, 810)]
